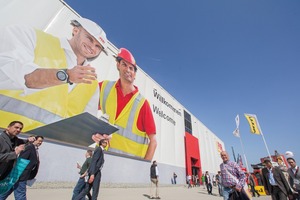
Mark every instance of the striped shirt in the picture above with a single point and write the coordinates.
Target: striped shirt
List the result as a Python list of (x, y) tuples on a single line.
[(232, 175)]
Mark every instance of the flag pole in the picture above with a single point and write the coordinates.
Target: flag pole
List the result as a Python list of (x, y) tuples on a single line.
[(262, 135), (233, 153), (244, 153), (237, 133)]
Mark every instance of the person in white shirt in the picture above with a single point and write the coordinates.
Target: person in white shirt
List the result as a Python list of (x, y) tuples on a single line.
[(48, 76), (208, 183)]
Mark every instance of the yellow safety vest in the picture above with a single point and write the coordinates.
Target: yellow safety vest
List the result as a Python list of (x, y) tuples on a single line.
[(50, 104), (128, 139)]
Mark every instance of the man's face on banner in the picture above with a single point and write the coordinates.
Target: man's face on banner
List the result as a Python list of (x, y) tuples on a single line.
[(85, 44), (126, 71)]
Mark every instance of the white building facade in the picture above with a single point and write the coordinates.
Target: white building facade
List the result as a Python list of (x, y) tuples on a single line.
[(185, 144)]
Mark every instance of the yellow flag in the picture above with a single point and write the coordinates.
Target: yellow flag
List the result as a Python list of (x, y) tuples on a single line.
[(253, 123)]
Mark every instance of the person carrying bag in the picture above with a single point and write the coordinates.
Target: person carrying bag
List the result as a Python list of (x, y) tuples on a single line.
[(244, 194), (9, 181)]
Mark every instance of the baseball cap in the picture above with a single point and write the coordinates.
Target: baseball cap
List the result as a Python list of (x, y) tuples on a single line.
[(92, 28)]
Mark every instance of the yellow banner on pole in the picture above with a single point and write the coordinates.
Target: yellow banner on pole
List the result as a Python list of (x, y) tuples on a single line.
[(253, 123)]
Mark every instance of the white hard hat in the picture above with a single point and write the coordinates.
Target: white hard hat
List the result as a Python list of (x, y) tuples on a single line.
[(92, 28), (289, 154)]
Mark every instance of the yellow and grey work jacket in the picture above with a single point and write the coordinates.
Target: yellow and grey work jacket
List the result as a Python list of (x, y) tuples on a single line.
[(128, 139)]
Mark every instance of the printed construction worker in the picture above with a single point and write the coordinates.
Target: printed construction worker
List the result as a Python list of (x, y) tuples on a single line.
[(44, 79), (129, 111)]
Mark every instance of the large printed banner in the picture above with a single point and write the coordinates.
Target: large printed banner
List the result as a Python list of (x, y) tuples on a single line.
[(35, 54)]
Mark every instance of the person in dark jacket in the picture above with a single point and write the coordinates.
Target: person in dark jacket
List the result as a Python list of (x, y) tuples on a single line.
[(30, 153), (94, 172), (11, 146), (274, 182), (294, 178), (208, 183), (252, 185), (83, 174), (154, 180)]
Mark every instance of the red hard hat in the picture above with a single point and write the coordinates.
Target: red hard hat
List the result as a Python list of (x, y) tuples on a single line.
[(127, 56)]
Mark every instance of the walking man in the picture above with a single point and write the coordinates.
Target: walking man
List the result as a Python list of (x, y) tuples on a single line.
[(294, 177), (83, 173), (208, 183), (252, 185), (188, 181), (174, 178), (274, 181), (154, 180), (10, 147), (30, 153), (219, 183), (203, 180), (94, 172), (232, 176)]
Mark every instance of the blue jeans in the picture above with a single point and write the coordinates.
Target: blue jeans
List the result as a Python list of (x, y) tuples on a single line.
[(19, 190), (220, 189), (226, 192), (78, 188)]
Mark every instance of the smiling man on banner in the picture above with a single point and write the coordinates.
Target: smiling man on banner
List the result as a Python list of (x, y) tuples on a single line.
[(129, 110)]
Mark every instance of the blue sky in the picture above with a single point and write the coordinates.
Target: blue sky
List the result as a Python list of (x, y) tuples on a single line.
[(218, 59)]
